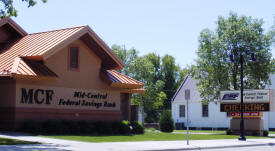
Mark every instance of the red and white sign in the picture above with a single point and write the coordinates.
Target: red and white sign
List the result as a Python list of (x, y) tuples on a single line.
[(245, 114)]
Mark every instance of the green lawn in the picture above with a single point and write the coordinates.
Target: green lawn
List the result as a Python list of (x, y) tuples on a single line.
[(201, 131), (271, 132), (148, 136), (7, 141)]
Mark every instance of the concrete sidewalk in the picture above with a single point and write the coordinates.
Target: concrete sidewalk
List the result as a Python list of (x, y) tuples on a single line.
[(50, 144)]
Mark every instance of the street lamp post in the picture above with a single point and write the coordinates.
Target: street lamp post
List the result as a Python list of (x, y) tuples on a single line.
[(242, 136)]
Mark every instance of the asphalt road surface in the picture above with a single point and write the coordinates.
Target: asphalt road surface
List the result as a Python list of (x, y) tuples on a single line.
[(257, 148)]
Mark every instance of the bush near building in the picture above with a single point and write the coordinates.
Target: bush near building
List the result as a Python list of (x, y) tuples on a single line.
[(166, 123), (137, 127), (52, 127)]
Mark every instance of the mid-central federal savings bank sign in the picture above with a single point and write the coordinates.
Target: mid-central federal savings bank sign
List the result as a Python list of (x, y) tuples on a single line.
[(66, 98), (254, 100)]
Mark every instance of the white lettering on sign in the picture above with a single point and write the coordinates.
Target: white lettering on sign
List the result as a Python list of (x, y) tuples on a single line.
[(249, 96), (245, 114)]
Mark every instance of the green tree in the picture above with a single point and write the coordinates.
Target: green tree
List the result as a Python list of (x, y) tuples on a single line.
[(127, 56), (272, 33), (166, 123), (144, 69), (171, 78), (234, 35), (160, 75), (7, 8), (152, 101)]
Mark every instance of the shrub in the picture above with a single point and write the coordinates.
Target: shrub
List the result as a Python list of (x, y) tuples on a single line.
[(255, 133), (229, 132), (265, 133), (49, 127), (30, 126), (67, 127), (137, 128), (102, 127), (120, 127), (166, 123), (85, 127)]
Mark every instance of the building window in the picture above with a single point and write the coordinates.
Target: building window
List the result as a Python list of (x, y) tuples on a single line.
[(204, 110), (182, 110), (74, 54)]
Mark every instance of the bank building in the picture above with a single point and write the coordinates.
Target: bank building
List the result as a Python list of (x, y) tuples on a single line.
[(65, 74)]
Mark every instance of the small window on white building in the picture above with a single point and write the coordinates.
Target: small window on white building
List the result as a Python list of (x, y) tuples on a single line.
[(182, 110), (204, 110)]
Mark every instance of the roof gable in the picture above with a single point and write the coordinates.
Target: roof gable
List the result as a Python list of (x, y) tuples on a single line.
[(14, 25), (40, 46), (179, 89)]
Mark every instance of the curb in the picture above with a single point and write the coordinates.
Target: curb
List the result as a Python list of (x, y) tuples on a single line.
[(216, 147)]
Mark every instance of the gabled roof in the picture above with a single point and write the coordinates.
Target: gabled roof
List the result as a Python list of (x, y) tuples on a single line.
[(22, 57), (34, 45), (179, 89), (26, 67), (40, 46), (13, 24)]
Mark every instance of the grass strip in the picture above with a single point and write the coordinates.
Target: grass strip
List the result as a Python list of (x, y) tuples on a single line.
[(7, 141), (148, 136), (201, 131)]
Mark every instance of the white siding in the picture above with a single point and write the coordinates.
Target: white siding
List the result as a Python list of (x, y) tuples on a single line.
[(215, 119)]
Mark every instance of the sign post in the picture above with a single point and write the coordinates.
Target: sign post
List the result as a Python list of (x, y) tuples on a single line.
[(187, 98)]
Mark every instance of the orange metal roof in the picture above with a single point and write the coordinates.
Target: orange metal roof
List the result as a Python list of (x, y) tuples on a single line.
[(34, 45), (119, 80), (24, 57), (9, 21), (24, 66)]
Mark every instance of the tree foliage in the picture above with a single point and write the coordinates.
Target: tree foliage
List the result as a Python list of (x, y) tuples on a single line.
[(166, 123), (234, 35), (170, 74), (272, 33), (7, 7), (160, 76)]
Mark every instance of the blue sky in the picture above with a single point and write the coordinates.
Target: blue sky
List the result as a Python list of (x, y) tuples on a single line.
[(161, 26)]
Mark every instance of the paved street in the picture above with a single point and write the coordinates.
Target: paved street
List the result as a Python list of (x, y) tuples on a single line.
[(50, 144), (257, 148)]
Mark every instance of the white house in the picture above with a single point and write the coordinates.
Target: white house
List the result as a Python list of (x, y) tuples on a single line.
[(207, 116)]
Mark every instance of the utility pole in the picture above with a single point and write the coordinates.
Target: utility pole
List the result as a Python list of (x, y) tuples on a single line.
[(187, 98)]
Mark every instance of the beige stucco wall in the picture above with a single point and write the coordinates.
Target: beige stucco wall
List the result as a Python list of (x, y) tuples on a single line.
[(89, 67)]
